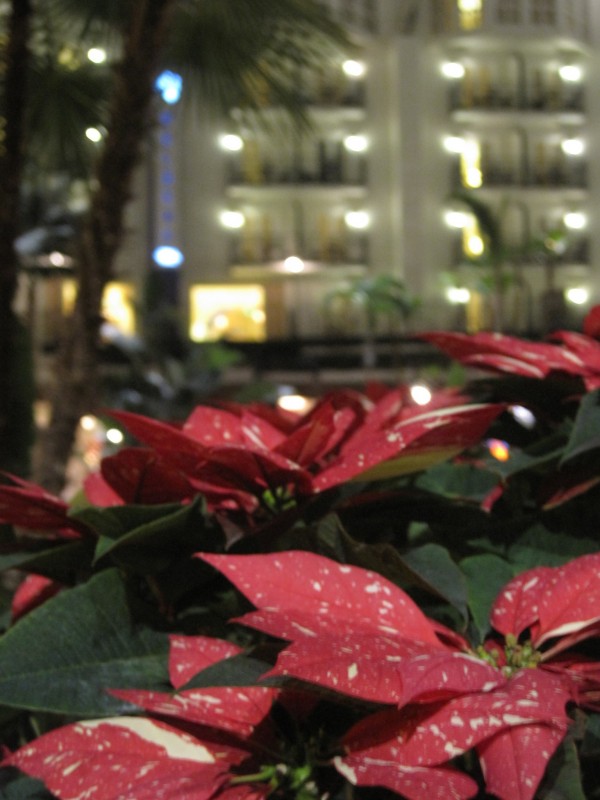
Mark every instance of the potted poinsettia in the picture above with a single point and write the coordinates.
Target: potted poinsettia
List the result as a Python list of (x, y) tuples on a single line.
[(371, 599)]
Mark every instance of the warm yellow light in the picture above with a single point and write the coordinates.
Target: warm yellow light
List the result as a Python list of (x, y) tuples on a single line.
[(356, 143), (452, 69), (470, 14), (293, 264), (357, 219), (572, 73), (97, 55), (457, 219), (572, 147), (231, 142), (258, 315), (232, 219), (88, 422), (470, 164), (353, 69), (117, 307), (297, 403), (114, 436), (68, 295), (93, 134), (458, 295), (454, 144), (578, 295), (221, 322), (473, 177), (236, 312), (420, 394), (575, 220), (499, 449), (57, 259), (475, 246)]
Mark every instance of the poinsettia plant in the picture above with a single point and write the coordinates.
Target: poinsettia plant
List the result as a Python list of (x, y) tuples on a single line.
[(369, 599)]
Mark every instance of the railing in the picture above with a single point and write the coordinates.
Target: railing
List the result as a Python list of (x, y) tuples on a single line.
[(351, 250), (503, 99), (337, 170), (551, 176), (500, 16)]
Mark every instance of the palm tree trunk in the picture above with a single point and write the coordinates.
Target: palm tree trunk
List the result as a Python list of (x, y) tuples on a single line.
[(15, 408), (77, 387)]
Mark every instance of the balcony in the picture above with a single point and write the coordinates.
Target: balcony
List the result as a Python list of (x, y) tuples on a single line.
[(517, 18)]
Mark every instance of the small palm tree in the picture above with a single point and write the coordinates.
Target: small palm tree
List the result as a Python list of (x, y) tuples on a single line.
[(377, 297)]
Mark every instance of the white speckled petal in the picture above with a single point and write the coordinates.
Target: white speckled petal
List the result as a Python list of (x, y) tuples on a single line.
[(413, 783), (514, 761), (123, 758), (227, 708), (385, 669), (299, 581)]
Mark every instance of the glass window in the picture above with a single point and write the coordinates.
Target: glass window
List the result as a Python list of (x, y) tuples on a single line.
[(470, 14), (118, 307), (509, 12), (231, 312), (543, 12)]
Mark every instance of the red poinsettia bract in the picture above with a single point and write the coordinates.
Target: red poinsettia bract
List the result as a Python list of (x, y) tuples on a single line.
[(574, 354), (31, 507), (246, 464), (354, 632), (216, 742)]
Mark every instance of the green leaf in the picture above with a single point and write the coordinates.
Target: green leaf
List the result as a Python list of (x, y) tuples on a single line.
[(540, 547), (435, 570), (59, 562), (115, 521), (590, 747), (64, 655), (458, 480), (541, 454), (585, 435), (485, 576), (22, 787), (146, 539), (562, 780), (241, 670)]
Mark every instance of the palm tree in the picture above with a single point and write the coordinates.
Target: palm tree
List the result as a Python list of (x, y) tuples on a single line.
[(15, 420), (42, 102), (377, 297), (234, 48)]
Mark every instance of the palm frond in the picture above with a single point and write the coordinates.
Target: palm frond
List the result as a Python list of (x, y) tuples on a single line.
[(63, 102), (82, 19), (487, 220), (252, 54)]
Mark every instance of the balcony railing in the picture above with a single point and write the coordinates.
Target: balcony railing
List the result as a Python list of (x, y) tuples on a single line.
[(352, 250), (551, 176), (576, 252), (340, 170), (543, 17), (503, 99)]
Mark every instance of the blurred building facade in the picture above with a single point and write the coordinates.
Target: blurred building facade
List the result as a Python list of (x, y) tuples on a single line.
[(247, 230)]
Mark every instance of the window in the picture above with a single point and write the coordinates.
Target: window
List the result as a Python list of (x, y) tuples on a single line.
[(470, 14), (543, 12), (231, 312), (118, 307), (509, 12)]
